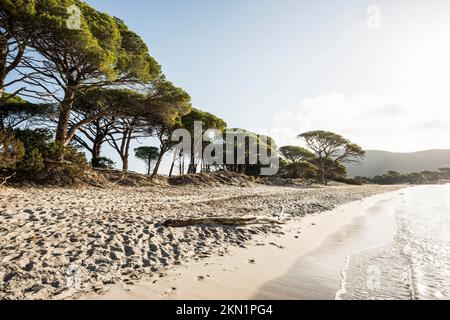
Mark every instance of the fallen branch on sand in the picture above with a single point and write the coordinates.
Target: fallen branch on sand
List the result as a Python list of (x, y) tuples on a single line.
[(6, 179), (179, 223)]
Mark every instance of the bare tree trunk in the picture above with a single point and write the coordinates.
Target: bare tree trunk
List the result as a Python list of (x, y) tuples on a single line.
[(171, 168), (192, 169), (61, 129), (162, 152), (174, 159), (5, 51), (96, 152), (125, 163), (64, 116), (3, 61), (158, 163), (322, 172), (126, 151)]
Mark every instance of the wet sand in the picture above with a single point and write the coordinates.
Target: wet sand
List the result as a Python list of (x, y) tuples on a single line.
[(318, 275)]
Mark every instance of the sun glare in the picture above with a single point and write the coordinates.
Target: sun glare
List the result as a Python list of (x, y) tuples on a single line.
[(427, 65)]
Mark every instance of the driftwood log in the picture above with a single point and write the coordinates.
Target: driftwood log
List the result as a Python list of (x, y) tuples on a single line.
[(245, 221), (5, 180)]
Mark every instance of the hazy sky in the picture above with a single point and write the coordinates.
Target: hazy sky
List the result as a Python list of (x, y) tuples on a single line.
[(282, 67)]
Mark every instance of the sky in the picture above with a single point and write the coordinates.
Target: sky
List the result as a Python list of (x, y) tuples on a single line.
[(376, 72)]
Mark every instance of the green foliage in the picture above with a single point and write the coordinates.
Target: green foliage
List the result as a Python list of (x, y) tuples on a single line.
[(147, 154), (362, 180), (103, 163), (134, 59), (16, 29), (208, 120), (299, 170), (14, 102), (103, 46), (34, 139), (334, 169), (424, 177), (444, 173), (331, 151), (36, 144), (75, 157), (171, 104), (95, 43), (15, 111), (168, 103), (295, 154), (330, 145), (99, 52), (39, 161), (92, 104), (64, 173), (86, 70), (33, 164), (355, 182), (241, 139), (11, 150)]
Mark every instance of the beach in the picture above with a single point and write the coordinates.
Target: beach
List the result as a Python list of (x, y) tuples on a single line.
[(272, 266), (111, 243)]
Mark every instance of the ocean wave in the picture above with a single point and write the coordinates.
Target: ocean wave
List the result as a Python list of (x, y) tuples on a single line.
[(416, 265)]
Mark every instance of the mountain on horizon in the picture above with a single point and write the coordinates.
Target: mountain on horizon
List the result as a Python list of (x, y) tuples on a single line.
[(379, 162)]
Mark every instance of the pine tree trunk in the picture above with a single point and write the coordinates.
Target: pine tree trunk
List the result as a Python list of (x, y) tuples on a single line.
[(126, 150), (322, 174), (158, 162), (125, 163), (96, 152), (171, 169), (64, 116), (192, 166), (3, 59)]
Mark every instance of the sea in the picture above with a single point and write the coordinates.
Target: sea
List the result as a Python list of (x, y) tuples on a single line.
[(398, 249), (416, 264)]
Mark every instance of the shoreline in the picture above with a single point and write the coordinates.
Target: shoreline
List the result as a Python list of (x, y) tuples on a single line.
[(249, 269), (322, 273)]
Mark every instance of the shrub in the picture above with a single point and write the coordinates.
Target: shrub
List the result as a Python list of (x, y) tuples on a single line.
[(41, 163), (11, 150), (299, 170), (37, 139), (103, 163), (350, 181), (33, 163)]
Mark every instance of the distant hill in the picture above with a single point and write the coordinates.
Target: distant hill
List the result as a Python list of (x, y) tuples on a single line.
[(379, 162)]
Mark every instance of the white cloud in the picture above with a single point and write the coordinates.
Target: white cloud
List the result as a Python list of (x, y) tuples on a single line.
[(375, 122)]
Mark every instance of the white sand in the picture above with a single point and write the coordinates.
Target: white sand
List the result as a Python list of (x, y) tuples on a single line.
[(244, 271)]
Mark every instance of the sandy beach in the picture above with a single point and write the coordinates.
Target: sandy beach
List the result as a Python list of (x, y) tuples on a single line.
[(270, 266), (111, 244)]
